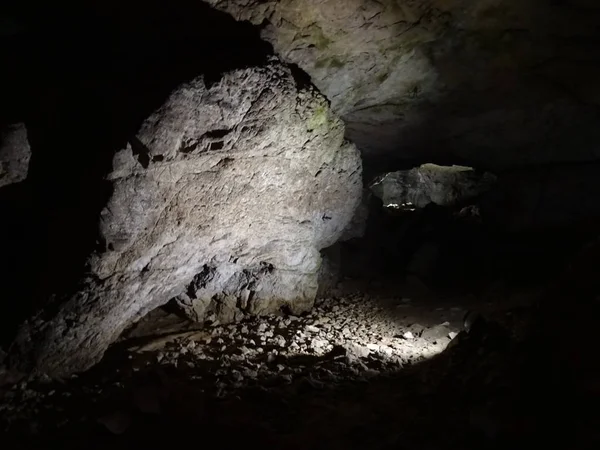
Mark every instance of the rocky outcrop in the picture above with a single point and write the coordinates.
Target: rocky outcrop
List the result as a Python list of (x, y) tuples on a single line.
[(15, 154), (492, 83), (430, 183), (223, 199)]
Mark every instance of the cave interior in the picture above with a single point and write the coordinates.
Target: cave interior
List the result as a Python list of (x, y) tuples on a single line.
[(300, 224)]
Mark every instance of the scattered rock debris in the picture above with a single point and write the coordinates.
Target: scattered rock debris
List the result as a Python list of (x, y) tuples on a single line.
[(356, 372)]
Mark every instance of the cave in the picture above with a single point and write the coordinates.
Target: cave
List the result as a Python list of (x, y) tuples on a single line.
[(301, 224)]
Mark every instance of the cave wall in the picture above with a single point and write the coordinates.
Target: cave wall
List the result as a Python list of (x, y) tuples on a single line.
[(494, 83)]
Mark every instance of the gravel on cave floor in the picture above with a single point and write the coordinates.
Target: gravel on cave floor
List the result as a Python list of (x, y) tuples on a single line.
[(375, 371)]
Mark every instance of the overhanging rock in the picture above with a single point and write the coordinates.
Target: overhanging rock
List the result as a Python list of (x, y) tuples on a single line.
[(243, 180), (430, 183)]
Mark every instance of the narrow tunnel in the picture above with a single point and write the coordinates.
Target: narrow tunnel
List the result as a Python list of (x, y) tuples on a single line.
[(300, 224)]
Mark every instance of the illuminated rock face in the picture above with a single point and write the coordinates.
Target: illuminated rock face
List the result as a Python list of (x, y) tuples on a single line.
[(493, 83), (14, 154), (237, 185), (430, 183)]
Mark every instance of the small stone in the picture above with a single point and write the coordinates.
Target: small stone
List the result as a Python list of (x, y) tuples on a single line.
[(312, 329), (408, 335), (237, 376), (245, 350), (386, 350)]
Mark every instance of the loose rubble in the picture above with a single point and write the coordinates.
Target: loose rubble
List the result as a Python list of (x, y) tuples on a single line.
[(358, 362), (353, 338)]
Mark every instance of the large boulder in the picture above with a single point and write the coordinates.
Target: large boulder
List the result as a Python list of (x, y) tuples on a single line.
[(496, 82), (223, 199)]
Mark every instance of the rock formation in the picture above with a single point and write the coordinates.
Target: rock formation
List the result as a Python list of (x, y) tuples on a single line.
[(233, 186), (493, 83), (430, 183)]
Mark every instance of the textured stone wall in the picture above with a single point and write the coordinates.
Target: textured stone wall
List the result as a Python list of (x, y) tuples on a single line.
[(493, 83)]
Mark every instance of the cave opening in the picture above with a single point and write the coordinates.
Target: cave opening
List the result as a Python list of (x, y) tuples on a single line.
[(300, 224)]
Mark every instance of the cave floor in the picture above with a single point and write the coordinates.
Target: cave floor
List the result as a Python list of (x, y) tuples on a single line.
[(390, 369)]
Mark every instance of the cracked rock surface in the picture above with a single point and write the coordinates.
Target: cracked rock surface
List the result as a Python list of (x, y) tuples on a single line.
[(495, 83), (232, 186)]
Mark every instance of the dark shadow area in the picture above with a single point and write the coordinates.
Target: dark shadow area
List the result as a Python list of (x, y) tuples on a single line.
[(82, 78), (523, 231), (460, 255)]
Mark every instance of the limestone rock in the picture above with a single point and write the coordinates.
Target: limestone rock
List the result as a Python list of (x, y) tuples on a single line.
[(430, 183), (14, 154), (486, 82), (232, 186)]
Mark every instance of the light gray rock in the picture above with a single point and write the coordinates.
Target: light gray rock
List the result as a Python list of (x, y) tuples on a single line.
[(431, 183), (487, 82), (233, 187), (15, 154)]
